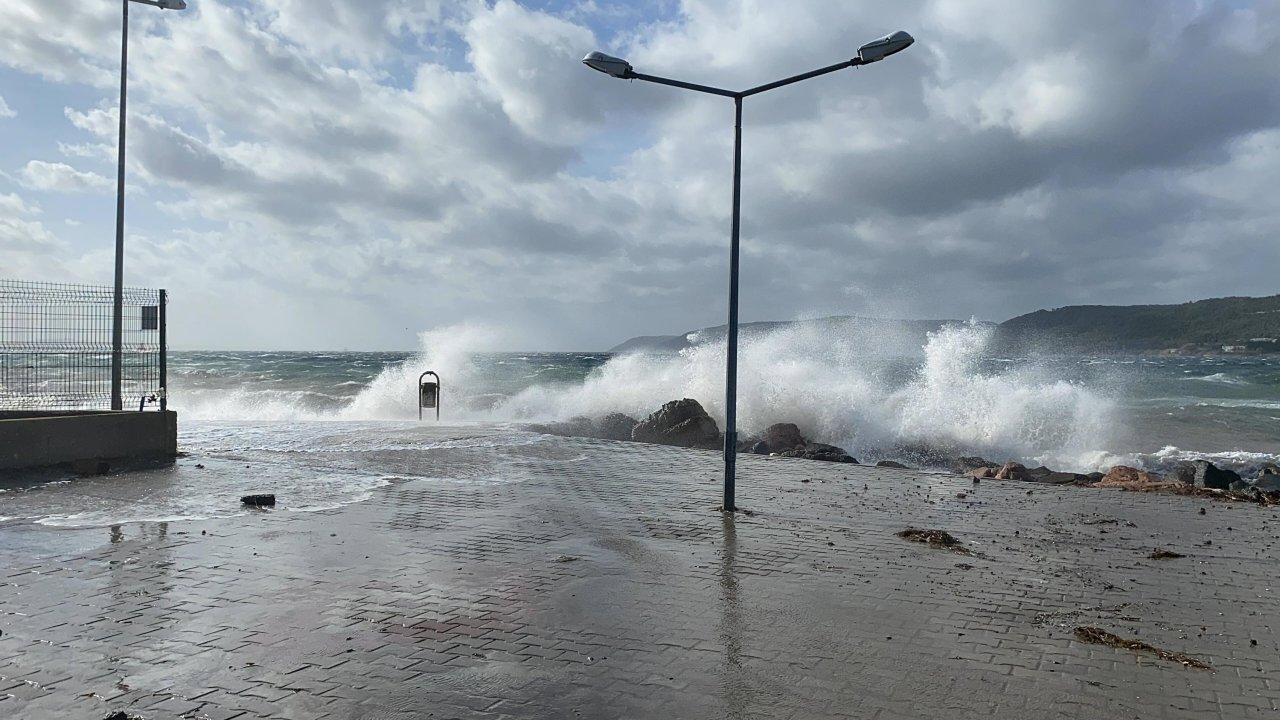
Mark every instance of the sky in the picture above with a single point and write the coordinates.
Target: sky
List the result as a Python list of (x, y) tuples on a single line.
[(344, 174)]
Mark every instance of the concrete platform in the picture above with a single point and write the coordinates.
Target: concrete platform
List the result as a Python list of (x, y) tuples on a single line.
[(34, 439), (578, 578)]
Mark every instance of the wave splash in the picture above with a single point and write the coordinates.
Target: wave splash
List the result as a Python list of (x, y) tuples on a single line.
[(838, 390), (836, 387)]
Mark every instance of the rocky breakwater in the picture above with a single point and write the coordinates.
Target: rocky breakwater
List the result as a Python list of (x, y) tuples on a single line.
[(685, 423), (1199, 478), (785, 440)]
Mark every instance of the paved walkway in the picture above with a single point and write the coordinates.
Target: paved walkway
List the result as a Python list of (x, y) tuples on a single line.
[(593, 579)]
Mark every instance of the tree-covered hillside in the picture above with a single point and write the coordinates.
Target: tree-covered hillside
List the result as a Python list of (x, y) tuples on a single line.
[(1202, 326)]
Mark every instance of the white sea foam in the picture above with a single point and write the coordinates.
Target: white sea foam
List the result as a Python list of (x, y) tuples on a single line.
[(1223, 378), (834, 386)]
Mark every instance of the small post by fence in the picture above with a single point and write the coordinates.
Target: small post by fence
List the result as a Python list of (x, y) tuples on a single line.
[(56, 346)]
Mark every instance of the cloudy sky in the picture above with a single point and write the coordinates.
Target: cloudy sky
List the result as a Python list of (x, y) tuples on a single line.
[(346, 173)]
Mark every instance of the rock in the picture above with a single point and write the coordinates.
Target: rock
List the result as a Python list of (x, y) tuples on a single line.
[(1044, 475), (1239, 486), (1130, 478), (578, 426), (892, 464), (259, 500), (1267, 482), (820, 451), (1204, 474), (781, 437), (966, 465), (683, 423), (1012, 471), (760, 447), (616, 426), (120, 715), (86, 468), (982, 473)]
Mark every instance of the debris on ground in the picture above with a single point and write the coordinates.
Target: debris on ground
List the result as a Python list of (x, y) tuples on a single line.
[(1098, 636), (259, 500), (121, 715), (940, 539), (1162, 554), (566, 559)]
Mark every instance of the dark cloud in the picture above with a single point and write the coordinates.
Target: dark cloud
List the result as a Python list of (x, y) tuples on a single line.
[(1021, 155)]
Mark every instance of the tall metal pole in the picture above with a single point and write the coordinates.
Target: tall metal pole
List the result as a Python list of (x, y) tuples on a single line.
[(164, 351), (117, 311), (731, 361)]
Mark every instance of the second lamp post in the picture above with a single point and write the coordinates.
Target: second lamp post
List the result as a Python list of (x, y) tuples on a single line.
[(619, 68), (117, 305)]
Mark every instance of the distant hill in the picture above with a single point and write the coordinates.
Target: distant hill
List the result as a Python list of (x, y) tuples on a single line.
[(890, 336), (1241, 324), (1232, 324)]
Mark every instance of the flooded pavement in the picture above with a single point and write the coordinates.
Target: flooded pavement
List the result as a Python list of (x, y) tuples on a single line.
[(483, 573)]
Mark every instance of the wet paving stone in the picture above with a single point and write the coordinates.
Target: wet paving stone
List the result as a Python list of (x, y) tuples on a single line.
[(456, 599)]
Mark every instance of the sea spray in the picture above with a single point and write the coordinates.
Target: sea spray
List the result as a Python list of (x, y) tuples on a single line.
[(839, 389), (846, 386), (1023, 412), (448, 351)]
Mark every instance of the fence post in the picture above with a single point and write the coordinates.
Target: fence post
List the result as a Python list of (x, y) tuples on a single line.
[(164, 351)]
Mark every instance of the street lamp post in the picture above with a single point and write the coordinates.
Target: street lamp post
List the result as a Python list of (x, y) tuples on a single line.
[(619, 68), (117, 310)]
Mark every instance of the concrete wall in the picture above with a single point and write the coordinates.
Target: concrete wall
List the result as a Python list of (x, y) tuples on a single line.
[(41, 439)]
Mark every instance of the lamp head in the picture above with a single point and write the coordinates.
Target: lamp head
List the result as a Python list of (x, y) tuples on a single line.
[(884, 47), (172, 4), (607, 64)]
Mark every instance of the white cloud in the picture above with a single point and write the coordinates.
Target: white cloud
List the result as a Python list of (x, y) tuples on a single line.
[(60, 177), (5, 110), (427, 160), (23, 238)]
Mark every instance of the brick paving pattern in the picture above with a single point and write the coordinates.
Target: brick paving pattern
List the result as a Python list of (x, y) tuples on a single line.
[(590, 579)]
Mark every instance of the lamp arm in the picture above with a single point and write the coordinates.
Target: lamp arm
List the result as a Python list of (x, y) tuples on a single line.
[(632, 75), (803, 76)]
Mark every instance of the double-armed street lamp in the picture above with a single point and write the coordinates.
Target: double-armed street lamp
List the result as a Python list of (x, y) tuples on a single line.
[(117, 312), (619, 68)]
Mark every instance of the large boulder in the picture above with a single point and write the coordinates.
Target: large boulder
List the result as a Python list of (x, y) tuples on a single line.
[(894, 464), (781, 437), (1268, 482), (1131, 478), (1012, 471), (967, 465), (820, 451), (616, 426), (1204, 474), (683, 423), (1043, 474), (577, 426)]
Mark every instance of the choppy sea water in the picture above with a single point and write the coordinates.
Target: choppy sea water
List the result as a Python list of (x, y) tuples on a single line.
[(320, 422), (958, 393)]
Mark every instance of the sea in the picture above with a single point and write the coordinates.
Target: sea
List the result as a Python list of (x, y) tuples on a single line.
[(1070, 412), (313, 424)]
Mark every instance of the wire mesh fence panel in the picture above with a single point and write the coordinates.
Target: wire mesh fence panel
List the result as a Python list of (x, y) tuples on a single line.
[(56, 346)]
